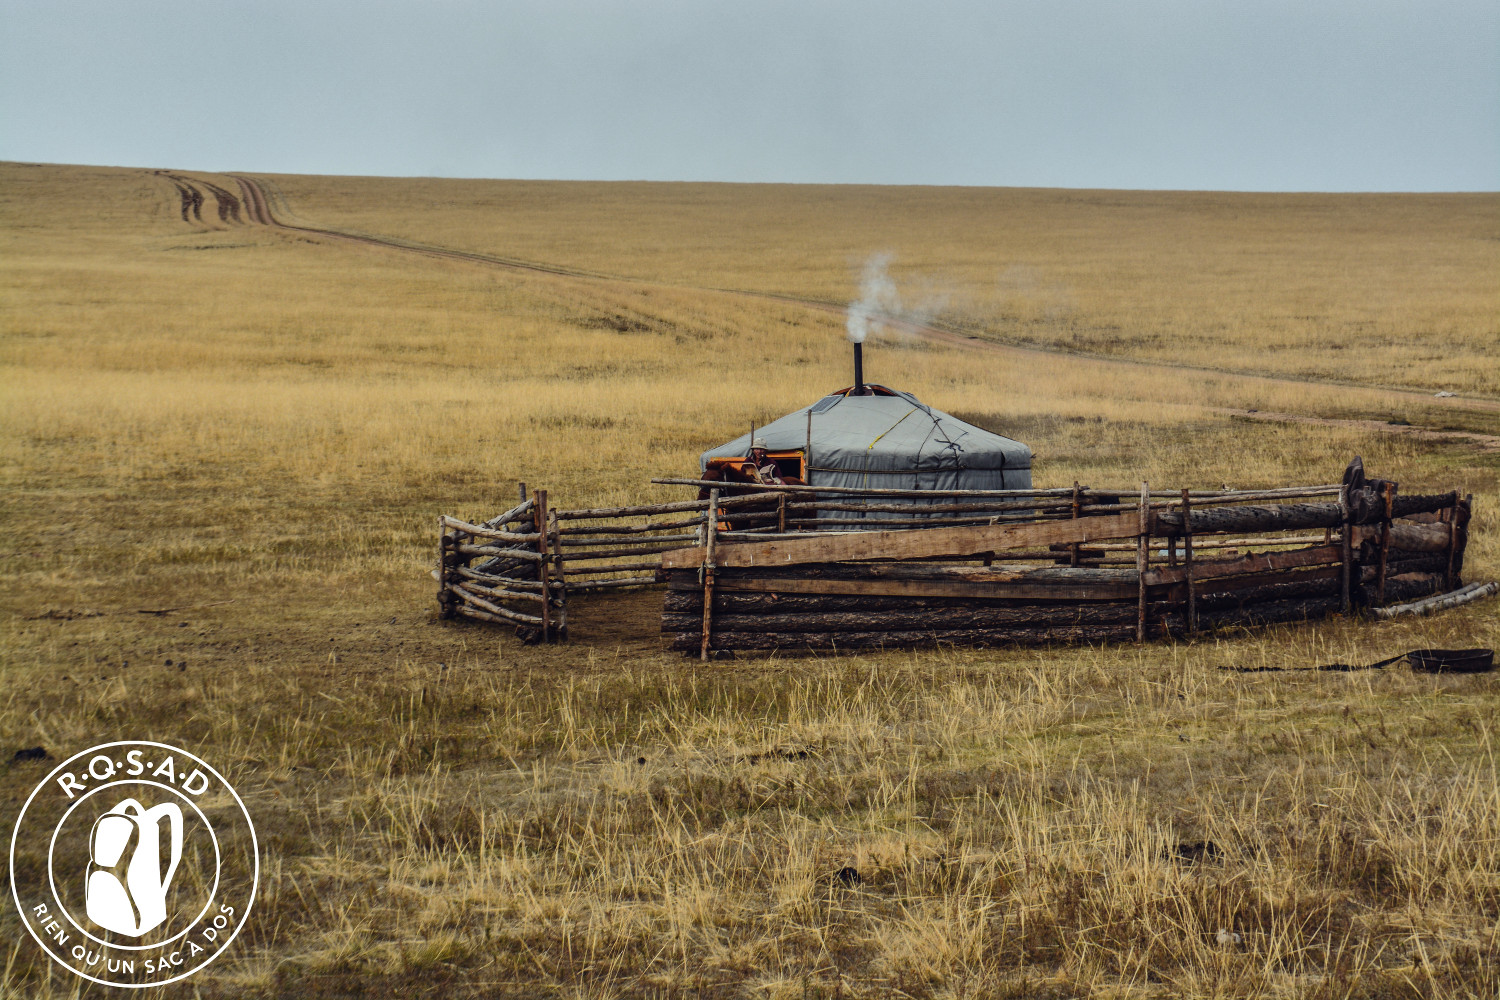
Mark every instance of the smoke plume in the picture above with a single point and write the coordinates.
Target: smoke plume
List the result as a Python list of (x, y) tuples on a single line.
[(878, 300), (879, 305)]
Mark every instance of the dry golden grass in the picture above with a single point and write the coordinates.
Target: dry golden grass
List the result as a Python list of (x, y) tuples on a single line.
[(1374, 289), (199, 414)]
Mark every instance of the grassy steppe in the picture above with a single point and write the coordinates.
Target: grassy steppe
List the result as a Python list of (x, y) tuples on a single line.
[(1373, 289), (257, 429)]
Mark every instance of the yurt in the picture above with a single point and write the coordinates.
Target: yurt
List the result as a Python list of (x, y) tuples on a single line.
[(869, 436)]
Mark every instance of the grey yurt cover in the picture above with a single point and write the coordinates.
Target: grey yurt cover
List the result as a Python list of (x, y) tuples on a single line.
[(890, 440)]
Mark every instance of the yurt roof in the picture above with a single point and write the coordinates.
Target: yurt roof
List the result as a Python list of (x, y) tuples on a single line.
[(888, 430)]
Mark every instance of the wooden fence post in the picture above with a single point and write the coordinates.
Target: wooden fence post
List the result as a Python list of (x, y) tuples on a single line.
[(1142, 560), (562, 578), (1187, 560), (1077, 513), (1346, 546), (1450, 517), (710, 536), (1385, 541), (445, 599), (539, 518)]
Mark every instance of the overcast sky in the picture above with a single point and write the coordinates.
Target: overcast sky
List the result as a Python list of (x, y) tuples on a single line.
[(1211, 94)]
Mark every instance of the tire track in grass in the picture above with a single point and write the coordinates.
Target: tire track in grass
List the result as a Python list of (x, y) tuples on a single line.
[(258, 210)]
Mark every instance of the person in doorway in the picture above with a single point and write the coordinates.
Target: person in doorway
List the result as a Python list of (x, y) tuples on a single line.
[(762, 466)]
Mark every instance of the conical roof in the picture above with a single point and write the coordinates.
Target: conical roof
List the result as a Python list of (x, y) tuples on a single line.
[(890, 439)]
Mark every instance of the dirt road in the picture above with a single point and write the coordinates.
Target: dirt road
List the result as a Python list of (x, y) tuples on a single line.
[(257, 209)]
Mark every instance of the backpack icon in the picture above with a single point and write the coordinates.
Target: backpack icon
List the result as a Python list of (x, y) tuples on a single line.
[(126, 890)]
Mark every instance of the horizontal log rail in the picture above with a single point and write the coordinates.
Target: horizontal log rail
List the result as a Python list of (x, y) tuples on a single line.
[(630, 567), (479, 531), (496, 593), (1226, 496), (495, 609), (602, 513), (629, 581), (496, 550), (926, 543), (1205, 569), (496, 580), (584, 542), (500, 616), (629, 529)]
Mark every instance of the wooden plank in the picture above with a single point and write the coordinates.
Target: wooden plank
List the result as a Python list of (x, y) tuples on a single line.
[(942, 619), (918, 544), (922, 571), (742, 603), (630, 567), (629, 581), (884, 522), (1246, 591), (932, 588), (1042, 576), (1209, 589), (1204, 570)]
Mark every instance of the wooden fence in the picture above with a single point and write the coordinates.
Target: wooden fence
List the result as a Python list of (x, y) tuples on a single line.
[(1060, 565), (767, 567), (520, 568)]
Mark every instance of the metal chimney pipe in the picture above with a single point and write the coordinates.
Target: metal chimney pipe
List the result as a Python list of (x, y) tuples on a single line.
[(859, 369)]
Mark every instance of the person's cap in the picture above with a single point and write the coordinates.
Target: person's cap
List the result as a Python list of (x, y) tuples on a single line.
[(759, 442)]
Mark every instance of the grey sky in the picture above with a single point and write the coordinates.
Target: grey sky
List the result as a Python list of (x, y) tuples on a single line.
[(1328, 95)]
